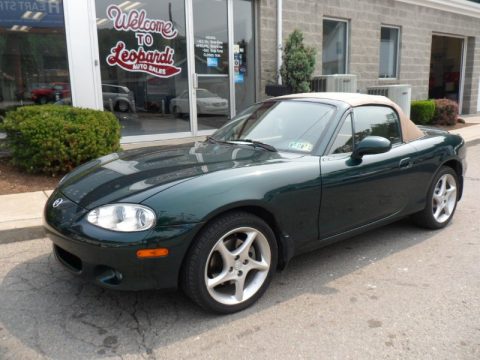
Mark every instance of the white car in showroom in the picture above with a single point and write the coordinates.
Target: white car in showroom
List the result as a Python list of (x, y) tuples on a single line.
[(208, 103)]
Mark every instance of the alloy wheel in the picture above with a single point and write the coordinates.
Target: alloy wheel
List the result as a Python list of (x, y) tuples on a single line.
[(237, 266), (444, 198)]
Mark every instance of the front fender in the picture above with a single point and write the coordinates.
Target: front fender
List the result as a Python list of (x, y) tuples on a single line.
[(289, 190)]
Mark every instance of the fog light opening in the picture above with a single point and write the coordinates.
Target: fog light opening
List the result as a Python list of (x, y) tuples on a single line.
[(107, 275)]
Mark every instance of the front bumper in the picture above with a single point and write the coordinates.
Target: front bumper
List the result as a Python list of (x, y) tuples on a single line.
[(109, 258)]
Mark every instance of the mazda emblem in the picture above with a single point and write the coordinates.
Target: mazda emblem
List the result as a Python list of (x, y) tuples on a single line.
[(57, 202)]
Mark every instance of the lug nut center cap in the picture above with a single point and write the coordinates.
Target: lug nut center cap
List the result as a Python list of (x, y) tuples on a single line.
[(238, 265)]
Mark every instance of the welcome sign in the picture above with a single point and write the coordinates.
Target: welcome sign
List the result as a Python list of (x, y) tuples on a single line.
[(154, 62)]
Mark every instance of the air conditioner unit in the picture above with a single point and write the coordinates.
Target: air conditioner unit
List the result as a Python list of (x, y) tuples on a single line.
[(335, 83), (399, 94)]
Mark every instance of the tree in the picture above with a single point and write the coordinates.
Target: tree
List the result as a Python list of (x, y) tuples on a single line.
[(298, 63)]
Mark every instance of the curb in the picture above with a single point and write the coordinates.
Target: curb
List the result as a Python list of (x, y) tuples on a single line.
[(472, 142), (21, 234)]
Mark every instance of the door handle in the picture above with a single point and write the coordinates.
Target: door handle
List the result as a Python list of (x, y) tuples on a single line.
[(405, 163)]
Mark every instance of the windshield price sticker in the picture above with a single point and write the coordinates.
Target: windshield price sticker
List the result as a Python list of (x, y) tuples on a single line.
[(154, 62)]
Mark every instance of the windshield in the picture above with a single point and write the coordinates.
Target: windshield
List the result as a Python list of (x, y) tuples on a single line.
[(286, 125)]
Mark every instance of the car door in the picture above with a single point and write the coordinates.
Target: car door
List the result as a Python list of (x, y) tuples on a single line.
[(360, 192)]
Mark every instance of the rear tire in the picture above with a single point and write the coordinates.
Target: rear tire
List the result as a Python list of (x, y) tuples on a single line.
[(177, 113), (442, 200), (231, 263)]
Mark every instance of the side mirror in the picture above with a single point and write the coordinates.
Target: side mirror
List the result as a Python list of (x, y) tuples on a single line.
[(371, 145)]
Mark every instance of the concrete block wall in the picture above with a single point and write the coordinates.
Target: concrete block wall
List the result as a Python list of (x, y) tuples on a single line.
[(365, 17)]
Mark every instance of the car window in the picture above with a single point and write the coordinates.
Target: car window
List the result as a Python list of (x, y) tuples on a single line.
[(376, 121), (344, 140), (109, 89)]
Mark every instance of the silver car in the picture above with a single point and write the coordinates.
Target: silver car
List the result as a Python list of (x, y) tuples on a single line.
[(208, 103), (118, 98)]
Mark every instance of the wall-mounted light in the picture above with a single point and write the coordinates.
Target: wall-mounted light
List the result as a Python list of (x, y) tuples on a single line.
[(27, 15), (133, 6), (124, 4), (30, 15), (22, 28), (39, 15)]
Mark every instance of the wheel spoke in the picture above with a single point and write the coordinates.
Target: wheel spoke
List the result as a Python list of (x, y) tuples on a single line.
[(239, 287), (224, 276), (446, 210), (438, 211), (243, 249), (437, 198), (259, 265), (450, 191), (443, 187), (227, 256)]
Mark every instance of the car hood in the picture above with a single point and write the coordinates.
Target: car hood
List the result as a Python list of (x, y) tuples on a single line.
[(135, 175)]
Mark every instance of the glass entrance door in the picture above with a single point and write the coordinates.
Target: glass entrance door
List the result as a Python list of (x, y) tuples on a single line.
[(212, 81)]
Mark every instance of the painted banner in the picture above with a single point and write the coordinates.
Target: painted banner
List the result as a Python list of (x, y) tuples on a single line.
[(154, 62)]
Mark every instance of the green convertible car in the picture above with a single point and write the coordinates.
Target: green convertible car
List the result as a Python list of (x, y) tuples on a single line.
[(219, 217)]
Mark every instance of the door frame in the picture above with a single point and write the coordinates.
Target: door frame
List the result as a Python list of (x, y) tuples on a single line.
[(193, 75), (463, 54)]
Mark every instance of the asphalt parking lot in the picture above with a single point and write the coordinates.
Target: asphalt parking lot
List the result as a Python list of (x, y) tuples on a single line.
[(398, 292)]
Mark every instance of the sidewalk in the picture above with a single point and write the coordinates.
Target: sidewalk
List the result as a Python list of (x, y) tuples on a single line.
[(470, 133), (21, 214)]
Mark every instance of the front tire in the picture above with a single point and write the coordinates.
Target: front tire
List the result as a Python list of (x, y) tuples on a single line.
[(231, 263), (441, 200), (123, 106)]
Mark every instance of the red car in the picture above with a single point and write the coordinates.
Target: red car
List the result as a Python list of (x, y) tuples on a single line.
[(53, 92)]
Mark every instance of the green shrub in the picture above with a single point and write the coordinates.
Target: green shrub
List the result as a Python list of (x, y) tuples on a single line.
[(54, 139), (298, 63), (422, 111), (446, 112)]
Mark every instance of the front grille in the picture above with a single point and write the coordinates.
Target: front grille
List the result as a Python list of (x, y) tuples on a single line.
[(71, 261)]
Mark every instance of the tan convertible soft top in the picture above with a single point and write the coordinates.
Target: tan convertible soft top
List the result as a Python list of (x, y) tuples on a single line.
[(410, 131)]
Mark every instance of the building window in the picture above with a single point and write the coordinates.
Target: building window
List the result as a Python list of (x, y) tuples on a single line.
[(389, 46), (335, 46), (33, 54)]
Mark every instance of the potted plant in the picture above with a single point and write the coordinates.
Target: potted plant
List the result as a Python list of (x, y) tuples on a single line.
[(297, 67)]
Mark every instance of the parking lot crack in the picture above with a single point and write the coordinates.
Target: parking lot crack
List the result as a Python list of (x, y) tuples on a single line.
[(141, 333)]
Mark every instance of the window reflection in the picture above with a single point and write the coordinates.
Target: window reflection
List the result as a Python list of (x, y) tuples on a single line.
[(143, 57), (33, 54), (334, 51), (389, 38), (244, 53)]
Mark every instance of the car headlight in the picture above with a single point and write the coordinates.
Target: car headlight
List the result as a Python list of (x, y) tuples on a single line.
[(122, 217)]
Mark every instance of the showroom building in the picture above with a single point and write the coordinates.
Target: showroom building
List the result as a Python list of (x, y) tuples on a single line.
[(175, 69)]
